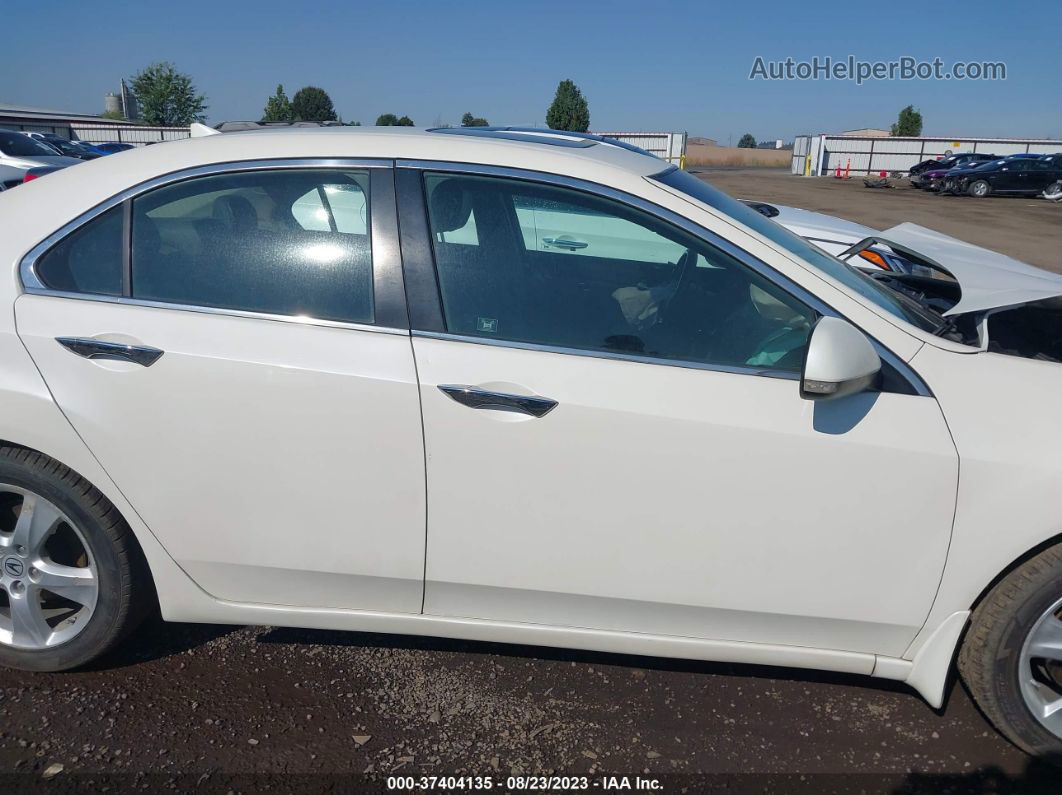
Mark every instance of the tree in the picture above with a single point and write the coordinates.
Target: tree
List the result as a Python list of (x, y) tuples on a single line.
[(117, 115), (278, 108), (391, 120), (468, 120), (908, 123), (166, 97), (747, 142), (569, 110), (311, 103)]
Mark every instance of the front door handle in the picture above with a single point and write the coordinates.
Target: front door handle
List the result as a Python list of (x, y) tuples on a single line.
[(565, 243), (98, 349), (476, 398)]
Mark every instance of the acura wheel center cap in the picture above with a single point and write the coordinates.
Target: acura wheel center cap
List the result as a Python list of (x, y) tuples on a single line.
[(13, 567)]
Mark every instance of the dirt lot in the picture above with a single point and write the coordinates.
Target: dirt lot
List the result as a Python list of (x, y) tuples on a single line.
[(223, 709), (1026, 229)]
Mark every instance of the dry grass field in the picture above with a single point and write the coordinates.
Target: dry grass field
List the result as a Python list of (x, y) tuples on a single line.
[(700, 154)]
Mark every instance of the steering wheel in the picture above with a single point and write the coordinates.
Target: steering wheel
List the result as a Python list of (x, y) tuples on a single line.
[(687, 262)]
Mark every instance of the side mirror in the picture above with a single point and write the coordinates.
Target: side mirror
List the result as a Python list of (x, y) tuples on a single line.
[(840, 361)]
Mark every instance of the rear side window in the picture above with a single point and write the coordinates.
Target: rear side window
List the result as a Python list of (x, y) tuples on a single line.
[(291, 242), (89, 260)]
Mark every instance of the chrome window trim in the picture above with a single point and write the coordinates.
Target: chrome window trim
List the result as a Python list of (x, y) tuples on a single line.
[(28, 264), (788, 375), (780, 280), (300, 320)]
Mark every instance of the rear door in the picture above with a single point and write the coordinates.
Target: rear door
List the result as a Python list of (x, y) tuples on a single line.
[(1038, 175), (244, 373)]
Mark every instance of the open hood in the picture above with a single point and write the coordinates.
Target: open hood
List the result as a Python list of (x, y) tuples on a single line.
[(988, 280)]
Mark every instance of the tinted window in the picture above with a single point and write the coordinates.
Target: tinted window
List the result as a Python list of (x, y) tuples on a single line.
[(281, 242), (562, 268), (89, 260)]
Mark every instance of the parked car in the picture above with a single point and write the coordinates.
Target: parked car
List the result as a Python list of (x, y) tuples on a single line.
[(40, 171), (1012, 176), (917, 175), (19, 153), (527, 388), (111, 147), (950, 181), (65, 146)]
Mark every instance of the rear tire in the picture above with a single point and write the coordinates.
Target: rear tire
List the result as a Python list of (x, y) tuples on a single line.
[(1003, 660), (75, 541), (979, 189)]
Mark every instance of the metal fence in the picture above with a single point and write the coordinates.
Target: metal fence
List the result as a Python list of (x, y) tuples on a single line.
[(669, 146), (817, 155), (136, 134)]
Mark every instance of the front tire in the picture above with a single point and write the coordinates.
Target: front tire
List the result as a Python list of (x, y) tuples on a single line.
[(979, 189), (1011, 659), (73, 581)]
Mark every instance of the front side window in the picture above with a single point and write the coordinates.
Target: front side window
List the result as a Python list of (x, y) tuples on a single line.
[(288, 242), (562, 268)]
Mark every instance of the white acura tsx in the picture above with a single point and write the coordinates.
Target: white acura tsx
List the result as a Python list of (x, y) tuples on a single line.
[(527, 388)]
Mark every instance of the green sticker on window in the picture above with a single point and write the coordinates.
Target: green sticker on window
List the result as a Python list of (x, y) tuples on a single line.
[(487, 324)]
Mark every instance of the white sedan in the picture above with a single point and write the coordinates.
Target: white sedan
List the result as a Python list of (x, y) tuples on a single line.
[(521, 388)]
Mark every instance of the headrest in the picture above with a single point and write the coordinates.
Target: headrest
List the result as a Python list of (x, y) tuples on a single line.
[(236, 213), (450, 205)]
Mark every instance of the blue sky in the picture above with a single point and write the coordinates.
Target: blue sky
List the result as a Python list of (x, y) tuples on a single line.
[(642, 65)]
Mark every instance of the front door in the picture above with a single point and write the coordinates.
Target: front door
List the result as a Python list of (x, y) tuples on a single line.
[(615, 439), (274, 445)]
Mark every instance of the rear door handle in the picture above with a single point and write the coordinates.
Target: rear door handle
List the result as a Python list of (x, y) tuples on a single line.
[(89, 348), (476, 398)]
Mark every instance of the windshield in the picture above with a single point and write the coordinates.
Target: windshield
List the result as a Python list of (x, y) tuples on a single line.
[(15, 144), (894, 303)]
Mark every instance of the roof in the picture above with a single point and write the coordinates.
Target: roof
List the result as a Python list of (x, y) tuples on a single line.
[(72, 190), (27, 112)]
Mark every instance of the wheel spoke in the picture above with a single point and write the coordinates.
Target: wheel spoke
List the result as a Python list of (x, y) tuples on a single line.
[(70, 582), (28, 627), (1046, 642), (36, 520), (1051, 715)]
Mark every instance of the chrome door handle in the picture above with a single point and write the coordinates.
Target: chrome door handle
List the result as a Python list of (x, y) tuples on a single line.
[(89, 348), (500, 401), (559, 242)]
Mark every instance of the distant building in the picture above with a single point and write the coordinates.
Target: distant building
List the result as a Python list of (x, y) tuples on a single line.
[(868, 132), (21, 117)]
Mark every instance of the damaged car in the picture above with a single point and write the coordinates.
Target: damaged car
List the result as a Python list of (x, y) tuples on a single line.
[(525, 387)]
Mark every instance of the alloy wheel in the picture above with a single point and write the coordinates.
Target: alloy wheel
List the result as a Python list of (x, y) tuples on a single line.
[(1040, 669), (49, 584)]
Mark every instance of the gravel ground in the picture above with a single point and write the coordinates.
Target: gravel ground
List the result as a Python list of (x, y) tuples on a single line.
[(249, 709), (225, 709)]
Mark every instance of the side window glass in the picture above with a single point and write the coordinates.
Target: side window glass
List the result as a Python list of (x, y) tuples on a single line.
[(291, 242), (89, 260), (584, 230), (333, 208), (558, 267)]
